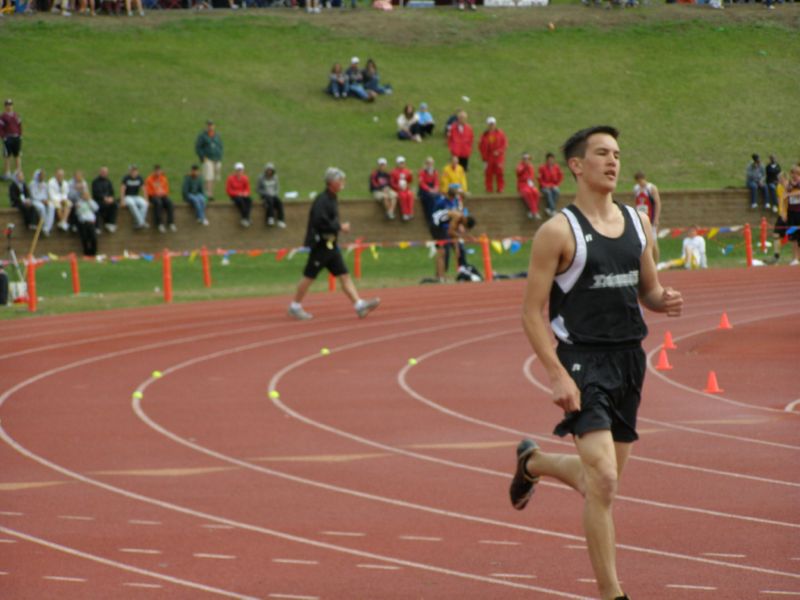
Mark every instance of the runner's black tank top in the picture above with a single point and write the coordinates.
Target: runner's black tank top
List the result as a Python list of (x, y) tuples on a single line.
[(595, 302)]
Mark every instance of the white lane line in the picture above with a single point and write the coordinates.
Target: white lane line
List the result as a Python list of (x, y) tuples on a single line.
[(75, 518), (500, 543), (682, 586), (7, 541), (514, 575), (293, 597), (587, 580), (10, 513), (378, 567), (216, 526), (419, 538), (140, 551), (60, 578), (130, 568), (779, 593), (3, 572), (343, 533), (273, 384), (294, 561), (136, 584), (143, 522), (724, 555), (215, 556), (792, 405)]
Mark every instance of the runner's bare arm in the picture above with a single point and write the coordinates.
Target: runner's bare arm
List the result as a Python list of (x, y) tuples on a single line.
[(550, 245), (651, 293)]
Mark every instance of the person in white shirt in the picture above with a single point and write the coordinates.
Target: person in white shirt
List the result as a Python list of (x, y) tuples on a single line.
[(693, 253), (58, 192), (40, 197)]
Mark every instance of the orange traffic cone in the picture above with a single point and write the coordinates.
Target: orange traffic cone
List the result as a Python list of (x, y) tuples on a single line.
[(668, 343), (711, 386), (724, 323), (663, 361)]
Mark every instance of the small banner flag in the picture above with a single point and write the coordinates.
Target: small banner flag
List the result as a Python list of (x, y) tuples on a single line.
[(374, 251), (403, 245), (193, 256), (281, 254), (712, 233), (497, 246)]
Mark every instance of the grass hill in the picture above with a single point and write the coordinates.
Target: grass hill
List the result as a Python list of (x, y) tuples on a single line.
[(694, 91)]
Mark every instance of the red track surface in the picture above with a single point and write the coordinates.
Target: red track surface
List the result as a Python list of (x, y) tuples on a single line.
[(373, 478)]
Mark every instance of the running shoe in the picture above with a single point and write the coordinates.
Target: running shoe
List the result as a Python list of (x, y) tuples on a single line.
[(299, 314), (367, 307), (521, 488)]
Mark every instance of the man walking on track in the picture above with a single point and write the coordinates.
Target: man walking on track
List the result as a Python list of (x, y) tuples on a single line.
[(593, 262), (321, 237)]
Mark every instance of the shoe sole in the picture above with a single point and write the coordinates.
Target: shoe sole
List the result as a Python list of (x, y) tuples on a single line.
[(521, 477), (363, 313)]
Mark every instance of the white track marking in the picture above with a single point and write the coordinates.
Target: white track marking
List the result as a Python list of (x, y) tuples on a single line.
[(61, 578), (154, 586), (3, 572), (419, 538), (343, 533), (113, 563), (792, 405), (681, 586), (140, 551), (5, 541), (142, 415), (214, 556), (779, 593), (75, 518), (294, 561), (514, 575), (143, 522), (216, 526), (293, 597), (378, 567), (11, 513), (724, 555), (500, 543)]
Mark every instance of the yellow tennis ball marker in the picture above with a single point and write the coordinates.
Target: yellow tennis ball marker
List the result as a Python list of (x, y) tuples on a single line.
[(325, 352), (138, 395), (412, 361), (274, 394), (157, 374)]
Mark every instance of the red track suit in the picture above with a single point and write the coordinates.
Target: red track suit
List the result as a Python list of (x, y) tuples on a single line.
[(493, 146), (405, 197), (525, 175), (460, 139)]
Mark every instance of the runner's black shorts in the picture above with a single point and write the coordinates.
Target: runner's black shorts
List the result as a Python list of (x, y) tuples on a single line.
[(324, 257), (610, 382), (793, 220), (12, 146)]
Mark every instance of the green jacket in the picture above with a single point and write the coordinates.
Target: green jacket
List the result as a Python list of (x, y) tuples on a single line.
[(208, 147), (192, 185)]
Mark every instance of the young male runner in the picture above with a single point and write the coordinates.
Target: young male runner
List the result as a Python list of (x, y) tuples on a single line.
[(321, 237), (593, 263)]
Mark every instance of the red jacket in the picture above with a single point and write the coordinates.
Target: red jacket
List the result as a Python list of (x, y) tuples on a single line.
[(397, 174), (550, 176), (237, 186), (429, 182), (525, 174), (493, 146), (460, 139)]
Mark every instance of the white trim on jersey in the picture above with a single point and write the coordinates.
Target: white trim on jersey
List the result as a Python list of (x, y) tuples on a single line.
[(560, 329), (637, 224), (567, 280)]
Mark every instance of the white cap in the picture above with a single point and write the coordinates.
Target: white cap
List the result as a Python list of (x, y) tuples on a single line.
[(354, 60), (401, 159), (491, 121), (239, 166), (381, 161)]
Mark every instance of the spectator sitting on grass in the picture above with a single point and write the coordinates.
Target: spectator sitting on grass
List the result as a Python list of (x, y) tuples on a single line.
[(527, 187), (131, 196), (269, 190), (425, 120), (40, 196), (355, 82), (381, 189), (407, 125), (550, 177), (156, 187), (103, 194), (192, 191), (453, 173), (238, 189), (693, 253), (337, 82), (372, 81)]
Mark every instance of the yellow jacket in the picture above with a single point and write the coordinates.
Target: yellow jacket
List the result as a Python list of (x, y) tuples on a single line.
[(452, 174)]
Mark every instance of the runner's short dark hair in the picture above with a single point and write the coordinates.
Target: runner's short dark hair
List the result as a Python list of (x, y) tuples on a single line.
[(576, 144)]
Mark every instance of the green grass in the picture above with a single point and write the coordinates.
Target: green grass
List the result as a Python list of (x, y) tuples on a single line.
[(694, 92), (131, 283)]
